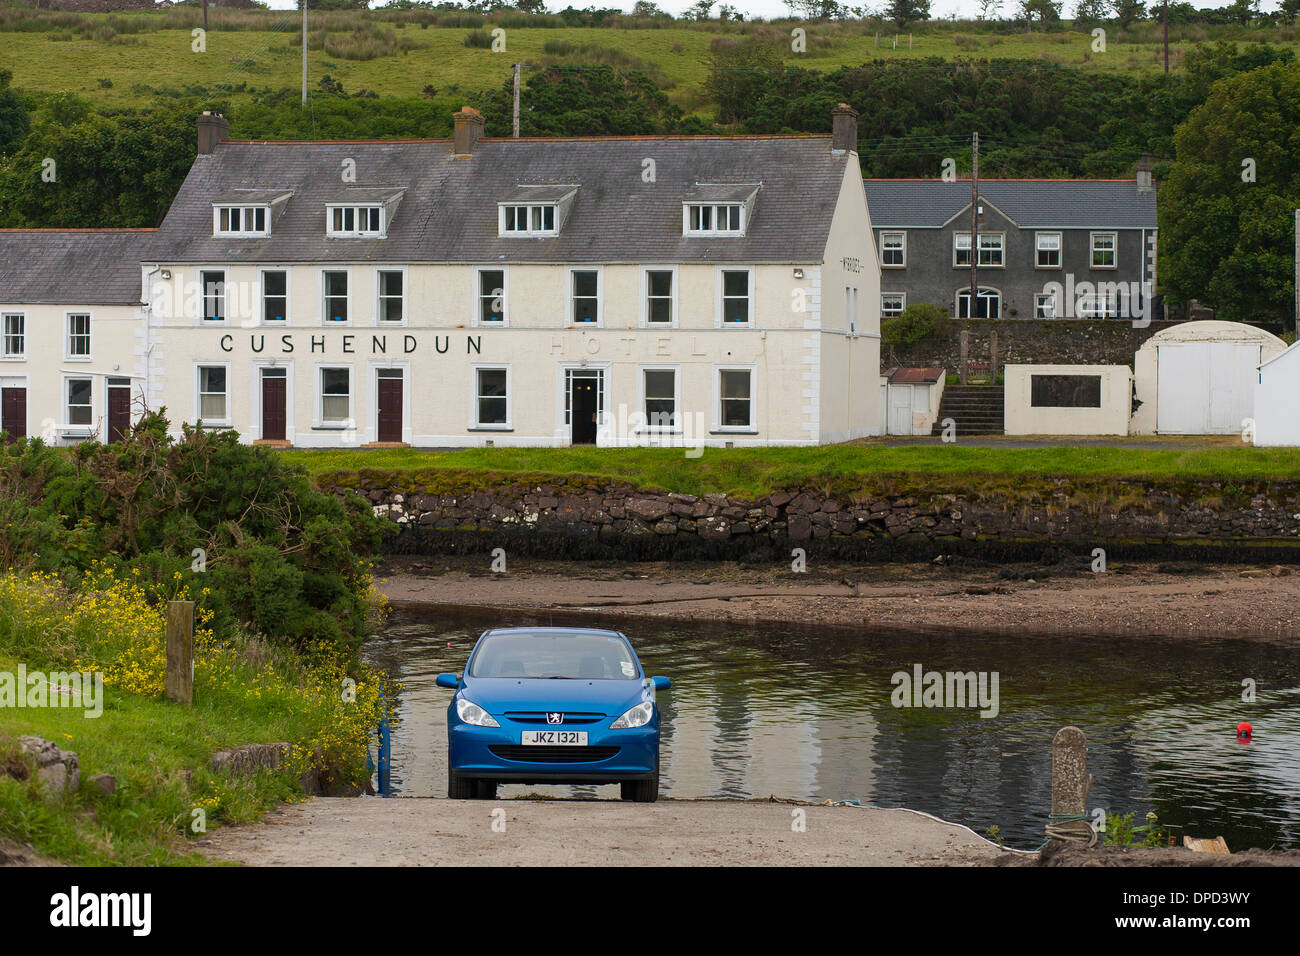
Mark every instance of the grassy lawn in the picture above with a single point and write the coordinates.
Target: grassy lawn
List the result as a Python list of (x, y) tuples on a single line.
[(137, 64), (838, 468)]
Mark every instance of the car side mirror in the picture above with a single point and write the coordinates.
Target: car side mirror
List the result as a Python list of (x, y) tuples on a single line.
[(661, 683), (450, 681)]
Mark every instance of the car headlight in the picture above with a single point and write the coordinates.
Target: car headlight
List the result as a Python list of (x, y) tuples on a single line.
[(638, 716), (473, 714)]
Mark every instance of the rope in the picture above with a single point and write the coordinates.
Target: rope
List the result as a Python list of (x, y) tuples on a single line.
[(1074, 827)]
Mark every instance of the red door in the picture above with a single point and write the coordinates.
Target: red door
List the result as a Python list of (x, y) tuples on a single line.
[(273, 399), (390, 409), (13, 412), (119, 412)]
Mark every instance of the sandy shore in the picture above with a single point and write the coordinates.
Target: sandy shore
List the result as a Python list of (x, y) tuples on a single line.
[(1154, 599)]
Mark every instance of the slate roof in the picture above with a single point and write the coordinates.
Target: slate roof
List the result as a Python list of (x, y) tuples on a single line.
[(73, 266), (448, 211), (1030, 203)]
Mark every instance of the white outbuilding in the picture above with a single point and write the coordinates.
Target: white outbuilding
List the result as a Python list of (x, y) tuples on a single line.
[(1277, 399), (1199, 378)]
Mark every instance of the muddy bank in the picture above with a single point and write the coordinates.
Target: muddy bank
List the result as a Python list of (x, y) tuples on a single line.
[(1136, 598), (440, 832)]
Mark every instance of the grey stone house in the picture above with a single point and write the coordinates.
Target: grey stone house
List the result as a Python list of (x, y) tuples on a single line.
[(1046, 248)]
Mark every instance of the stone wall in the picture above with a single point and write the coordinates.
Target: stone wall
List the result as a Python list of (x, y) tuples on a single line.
[(575, 519)]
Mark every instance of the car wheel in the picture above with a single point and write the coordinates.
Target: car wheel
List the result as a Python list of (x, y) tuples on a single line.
[(642, 791), (458, 787), (485, 789)]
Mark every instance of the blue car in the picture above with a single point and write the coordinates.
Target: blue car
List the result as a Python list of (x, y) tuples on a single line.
[(552, 705)]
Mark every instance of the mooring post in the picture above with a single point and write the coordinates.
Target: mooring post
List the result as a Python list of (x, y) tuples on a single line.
[(179, 682), (1068, 819)]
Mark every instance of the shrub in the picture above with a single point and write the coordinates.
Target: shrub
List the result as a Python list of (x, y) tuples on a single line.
[(478, 39), (914, 324)]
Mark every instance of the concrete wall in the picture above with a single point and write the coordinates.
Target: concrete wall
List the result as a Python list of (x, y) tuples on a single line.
[(1277, 400), (1145, 379), (1112, 418)]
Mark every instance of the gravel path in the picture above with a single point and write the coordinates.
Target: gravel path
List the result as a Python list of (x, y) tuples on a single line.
[(433, 832)]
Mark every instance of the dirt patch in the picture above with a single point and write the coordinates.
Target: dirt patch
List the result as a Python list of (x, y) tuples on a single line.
[(1058, 853), (1167, 599), (11, 854)]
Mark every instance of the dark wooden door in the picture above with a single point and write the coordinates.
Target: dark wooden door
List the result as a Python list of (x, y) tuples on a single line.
[(13, 412), (585, 401), (273, 405), (390, 409), (119, 412)]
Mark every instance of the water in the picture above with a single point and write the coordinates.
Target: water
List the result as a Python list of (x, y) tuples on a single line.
[(806, 713)]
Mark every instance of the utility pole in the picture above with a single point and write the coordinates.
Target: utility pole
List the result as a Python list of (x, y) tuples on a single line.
[(205, 16), (1296, 327), (1165, 17), (516, 107), (974, 223), (304, 52)]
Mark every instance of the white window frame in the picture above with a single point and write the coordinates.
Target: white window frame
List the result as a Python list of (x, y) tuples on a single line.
[(689, 207), (719, 317), (198, 395), (65, 405), (379, 321), (355, 232), (474, 424), (902, 300), (478, 297), (68, 354), (21, 335), (1093, 250), (570, 296), (902, 245), (647, 428), (334, 425), (1039, 250), (752, 427), (202, 297), (325, 320), (261, 297), (532, 230), (1050, 298), (244, 209), (965, 291), (1001, 249), (1096, 305), (645, 322)]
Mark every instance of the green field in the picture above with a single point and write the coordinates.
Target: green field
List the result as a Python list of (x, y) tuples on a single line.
[(154, 57), (844, 469)]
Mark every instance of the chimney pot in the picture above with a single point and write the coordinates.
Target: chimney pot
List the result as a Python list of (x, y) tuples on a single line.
[(213, 128), (468, 130), (844, 128)]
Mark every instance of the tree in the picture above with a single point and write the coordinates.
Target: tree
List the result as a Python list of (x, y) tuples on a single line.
[(699, 10), (903, 12), (739, 72), (1289, 10), (582, 101), (14, 121), (1044, 11), (644, 8), (1091, 11), (1243, 11), (1126, 11), (1224, 240), (989, 9)]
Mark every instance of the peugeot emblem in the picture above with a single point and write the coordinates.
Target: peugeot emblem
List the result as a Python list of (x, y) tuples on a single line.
[(554, 718)]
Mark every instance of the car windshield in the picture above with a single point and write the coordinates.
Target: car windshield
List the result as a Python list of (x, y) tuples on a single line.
[(541, 655)]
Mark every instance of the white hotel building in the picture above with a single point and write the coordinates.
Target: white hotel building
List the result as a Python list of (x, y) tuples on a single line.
[(642, 290)]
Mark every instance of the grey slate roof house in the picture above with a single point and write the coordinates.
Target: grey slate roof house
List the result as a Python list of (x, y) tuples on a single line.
[(1046, 248)]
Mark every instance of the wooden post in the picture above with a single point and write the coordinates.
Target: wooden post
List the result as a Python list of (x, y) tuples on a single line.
[(1070, 782), (965, 354), (180, 652)]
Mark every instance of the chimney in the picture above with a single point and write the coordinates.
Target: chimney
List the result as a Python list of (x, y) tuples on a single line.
[(469, 127), (844, 128), (1144, 183), (213, 128)]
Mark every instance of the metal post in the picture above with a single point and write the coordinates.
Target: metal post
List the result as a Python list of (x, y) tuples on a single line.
[(385, 750), (516, 106)]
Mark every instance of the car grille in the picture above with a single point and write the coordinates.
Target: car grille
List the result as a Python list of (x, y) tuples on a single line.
[(553, 754), (539, 717)]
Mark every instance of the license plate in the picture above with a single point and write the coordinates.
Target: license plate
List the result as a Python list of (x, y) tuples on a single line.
[(552, 738)]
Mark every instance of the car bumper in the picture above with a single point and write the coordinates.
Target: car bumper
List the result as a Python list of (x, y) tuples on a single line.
[(495, 753)]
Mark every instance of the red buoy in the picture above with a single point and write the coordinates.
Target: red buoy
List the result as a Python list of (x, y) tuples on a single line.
[(1244, 731)]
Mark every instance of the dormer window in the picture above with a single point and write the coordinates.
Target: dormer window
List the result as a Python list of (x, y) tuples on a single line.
[(718, 209), (716, 220), (241, 221), (352, 221), (528, 220), (534, 210)]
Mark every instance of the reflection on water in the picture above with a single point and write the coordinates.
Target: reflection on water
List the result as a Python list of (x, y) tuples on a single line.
[(806, 713)]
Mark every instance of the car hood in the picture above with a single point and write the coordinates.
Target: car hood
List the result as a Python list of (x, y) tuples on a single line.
[(497, 695)]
